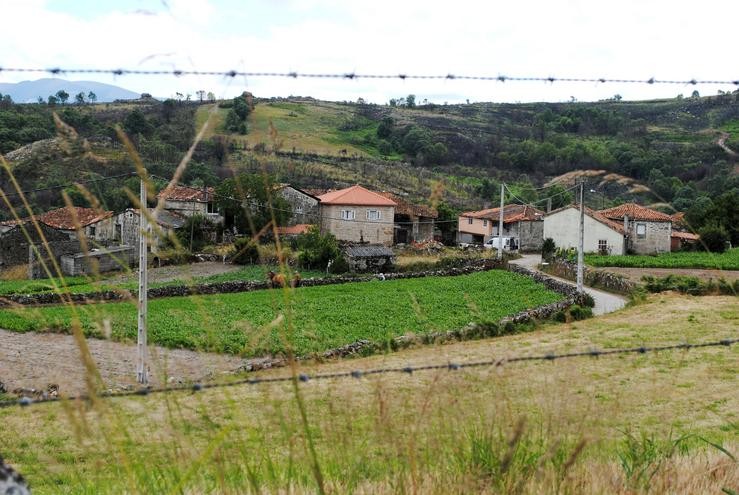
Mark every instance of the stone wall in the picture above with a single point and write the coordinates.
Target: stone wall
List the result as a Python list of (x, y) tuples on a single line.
[(14, 244), (530, 236), (58, 249), (305, 208), (108, 260), (360, 229), (657, 237), (600, 279)]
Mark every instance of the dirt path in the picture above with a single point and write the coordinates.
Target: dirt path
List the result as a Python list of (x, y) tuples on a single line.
[(605, 302), (179, 272), (34, 360), (722, 143)]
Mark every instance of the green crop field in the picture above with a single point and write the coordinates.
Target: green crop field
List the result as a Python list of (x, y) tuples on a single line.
[(724, 261), (311, 319)]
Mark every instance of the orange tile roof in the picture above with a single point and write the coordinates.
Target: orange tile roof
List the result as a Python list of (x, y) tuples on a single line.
[(635, 212), (187, 193), (403, 207), (355, 195), (300, 228), (63, 218), (511, 213), (687, 236)]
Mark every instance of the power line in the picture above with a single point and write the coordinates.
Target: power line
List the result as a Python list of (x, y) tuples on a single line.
[(357, 374), (354, 75), (64, 186)]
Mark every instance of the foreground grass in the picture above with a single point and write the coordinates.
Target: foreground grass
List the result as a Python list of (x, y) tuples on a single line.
[(312, 319), (115, 282), (623, 425), (724, 261)]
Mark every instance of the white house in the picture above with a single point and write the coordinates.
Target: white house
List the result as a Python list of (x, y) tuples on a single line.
[(601, 235)]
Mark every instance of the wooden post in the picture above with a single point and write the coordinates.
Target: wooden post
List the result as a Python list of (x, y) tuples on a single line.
[(142, 374)]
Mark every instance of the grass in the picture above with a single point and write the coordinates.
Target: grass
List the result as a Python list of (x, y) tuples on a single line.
[(614, 425), (314, 319), (724, 261), (112, 282)]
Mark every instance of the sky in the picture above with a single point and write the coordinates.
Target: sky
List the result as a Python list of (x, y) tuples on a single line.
[(590, 38)]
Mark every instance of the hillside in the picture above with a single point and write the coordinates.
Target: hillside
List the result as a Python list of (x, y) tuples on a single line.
[(30, 91), (667, 152)]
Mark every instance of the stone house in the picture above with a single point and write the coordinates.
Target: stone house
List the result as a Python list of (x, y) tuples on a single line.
[(647, 231), (413, 223), (681, 236), (98, 226), (15, 246), (369, 258), (524, 223), (97, 261), (128, 225), (189, 201), (305, 207), (600, 235), (356, 214)]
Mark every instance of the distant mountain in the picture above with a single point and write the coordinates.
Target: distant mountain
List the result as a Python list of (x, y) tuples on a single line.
[(29, 91)]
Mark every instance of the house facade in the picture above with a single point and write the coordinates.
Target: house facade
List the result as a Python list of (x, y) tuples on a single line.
[(523, 222), (97, 226), (413, 223), (356, 214), (15, 244), (304, 207), (601, 235), (647, 231), (128, 224), (190, 201)]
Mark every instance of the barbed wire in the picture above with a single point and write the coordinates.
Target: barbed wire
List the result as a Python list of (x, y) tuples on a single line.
[(354, 75), (358, 374)]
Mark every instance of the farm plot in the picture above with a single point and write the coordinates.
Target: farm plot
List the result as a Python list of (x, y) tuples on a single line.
[(724, 261), (311, 319)]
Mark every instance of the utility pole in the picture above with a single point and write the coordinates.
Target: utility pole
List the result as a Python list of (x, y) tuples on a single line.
[(142, 374), (581, 246), (500, 221)]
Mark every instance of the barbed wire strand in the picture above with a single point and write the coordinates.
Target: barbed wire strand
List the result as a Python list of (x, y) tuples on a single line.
[(354, 75), (357, 374)]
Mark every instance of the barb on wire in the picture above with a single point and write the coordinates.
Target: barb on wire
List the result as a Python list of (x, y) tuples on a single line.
[(407, 370), (353, 75)]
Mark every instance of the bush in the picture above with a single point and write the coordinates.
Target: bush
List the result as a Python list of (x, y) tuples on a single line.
[(317, 249), (580, 312), (548, 249), (715, 239), (195, 233), (171, 257), (246, 252)]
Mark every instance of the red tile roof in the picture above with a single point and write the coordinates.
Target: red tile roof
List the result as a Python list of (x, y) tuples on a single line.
[(64, 218), (511, 213), (187, 193), (300, 228), (355, 195), (635, 212), (403, 207)]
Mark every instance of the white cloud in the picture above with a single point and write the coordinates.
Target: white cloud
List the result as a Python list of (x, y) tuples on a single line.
[(590, 39)]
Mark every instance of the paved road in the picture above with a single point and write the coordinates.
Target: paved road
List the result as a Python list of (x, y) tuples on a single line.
[(605, 302)]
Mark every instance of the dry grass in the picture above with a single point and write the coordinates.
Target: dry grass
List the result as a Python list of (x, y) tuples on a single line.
[(434, 432), (19, 272)]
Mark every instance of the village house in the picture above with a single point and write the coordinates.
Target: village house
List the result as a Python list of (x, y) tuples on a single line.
[(413, 223), (524, 223), (190, 201), (96, 225), (601, 235), (15, 244), (128, 223), (647, 231), (304, 206), (356, 214), (681, 237)]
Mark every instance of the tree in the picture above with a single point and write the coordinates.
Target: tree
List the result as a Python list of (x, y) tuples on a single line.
[(62, 96), (447, 222), (92, 97), (211, 96), (316, 249), (52, 100), (79, 98), (201, 94), (410, 101), (40, 100), (714, 238), (695, 94), (194, 234), (136, 123), (248, 203), (234, 123)]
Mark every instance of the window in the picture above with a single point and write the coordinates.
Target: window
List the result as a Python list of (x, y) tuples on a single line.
[(298, 210), (92, 231), (602, 246), (641, 230), (347, 214), (211, 207), (469, 220), (373, 215), (484, 223)]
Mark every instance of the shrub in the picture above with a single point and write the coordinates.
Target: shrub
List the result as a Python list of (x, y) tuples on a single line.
[(548, 249), (195, 233), (246, 252), (715, 239), (317, 249), (171, 257), (580, 312)]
